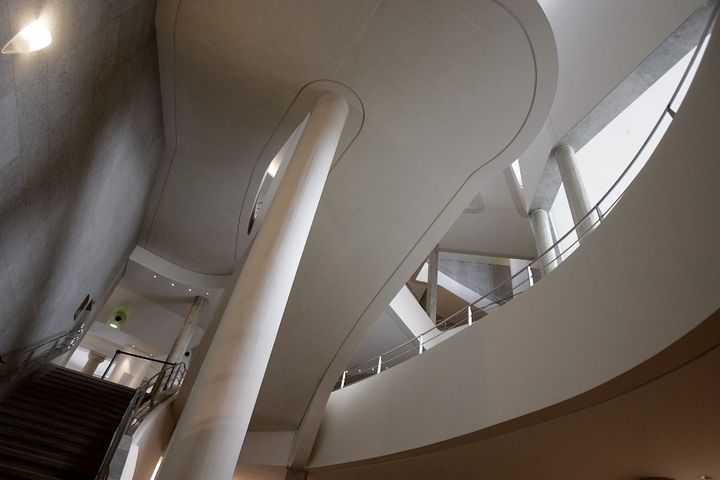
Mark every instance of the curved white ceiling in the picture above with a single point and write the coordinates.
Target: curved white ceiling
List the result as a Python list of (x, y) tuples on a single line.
[(428, 74), (453, 91)]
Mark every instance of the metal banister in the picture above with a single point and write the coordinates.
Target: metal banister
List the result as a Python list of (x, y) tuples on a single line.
[(40, 343), (121, 352), (145, 399)]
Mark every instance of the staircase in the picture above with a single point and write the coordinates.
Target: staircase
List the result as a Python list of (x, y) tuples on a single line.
[(58, 424)]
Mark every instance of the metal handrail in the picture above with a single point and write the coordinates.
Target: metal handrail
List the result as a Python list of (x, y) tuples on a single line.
[(540, 263), (121, 352), (40, 343), (170, 376), (19, 362)]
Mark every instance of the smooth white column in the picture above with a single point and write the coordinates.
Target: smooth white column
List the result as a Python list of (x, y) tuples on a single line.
[(432, 284), (182, 341), (575, 189), (540, 224), (211, 430), (519, 273), (93, 362)]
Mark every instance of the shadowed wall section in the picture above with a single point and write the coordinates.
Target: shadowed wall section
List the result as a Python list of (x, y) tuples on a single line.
[(80, 139)]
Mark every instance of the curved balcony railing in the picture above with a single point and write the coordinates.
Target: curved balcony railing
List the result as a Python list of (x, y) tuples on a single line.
[(544, 262)]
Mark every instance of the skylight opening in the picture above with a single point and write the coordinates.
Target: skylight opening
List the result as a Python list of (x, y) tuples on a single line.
[(517, 173)]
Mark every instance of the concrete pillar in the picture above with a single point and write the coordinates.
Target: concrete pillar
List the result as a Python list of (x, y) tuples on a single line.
[(540, 224), (93, 362), (575, 190), (432, 284), (519, 274), (207, 440), (182, 341)]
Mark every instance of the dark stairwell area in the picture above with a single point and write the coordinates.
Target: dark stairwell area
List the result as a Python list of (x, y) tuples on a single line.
[(57, 424)]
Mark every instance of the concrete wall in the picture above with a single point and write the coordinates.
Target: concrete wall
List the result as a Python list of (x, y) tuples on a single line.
[(80, 139), (645, 278)]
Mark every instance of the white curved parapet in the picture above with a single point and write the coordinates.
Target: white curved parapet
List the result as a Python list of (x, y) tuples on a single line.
[(644, 279)]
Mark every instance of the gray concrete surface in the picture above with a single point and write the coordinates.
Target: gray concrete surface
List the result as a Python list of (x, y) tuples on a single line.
[(664, 57), (80, 141)]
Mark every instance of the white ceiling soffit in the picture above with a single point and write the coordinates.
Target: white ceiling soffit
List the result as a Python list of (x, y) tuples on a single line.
[(453, 91), (174, 272)]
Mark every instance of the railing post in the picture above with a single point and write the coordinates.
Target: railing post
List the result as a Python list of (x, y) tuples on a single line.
[(342, 382), (110, 365), (531, 280), (379, 367)]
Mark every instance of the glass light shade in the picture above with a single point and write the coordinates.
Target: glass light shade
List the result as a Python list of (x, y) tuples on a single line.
[(34, 36)]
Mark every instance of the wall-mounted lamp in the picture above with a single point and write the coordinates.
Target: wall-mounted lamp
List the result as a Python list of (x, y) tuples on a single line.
[(34, 36)]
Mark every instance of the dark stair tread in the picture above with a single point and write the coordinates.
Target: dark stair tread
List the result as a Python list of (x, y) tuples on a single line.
[(105, 384), (84, 460), (55, 383), (53, 418), (13, 468), (74, 433), (66, 441), (57, 424), (63, 398), (40, 459), (65, 415), (41, 402)]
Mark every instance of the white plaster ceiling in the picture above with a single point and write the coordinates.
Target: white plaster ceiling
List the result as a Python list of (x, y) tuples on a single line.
[(169, 293), (498, 230), (237, 67), (158, 306), (453, 91)]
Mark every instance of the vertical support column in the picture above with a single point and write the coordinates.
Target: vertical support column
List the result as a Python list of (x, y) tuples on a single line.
[(431, 299), (182, 341), (93, 362), (540, 224), (519, 274), (575, 190), (211, 430)]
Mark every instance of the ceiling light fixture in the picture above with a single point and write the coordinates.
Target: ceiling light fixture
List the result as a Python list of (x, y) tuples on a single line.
[(113, 325), (34, 36), (189, 289), (172, 284), (154, 276)]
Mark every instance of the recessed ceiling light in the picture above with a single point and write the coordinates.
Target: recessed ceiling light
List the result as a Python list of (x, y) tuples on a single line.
[(112, 325), (207, 293), (154, 276), (132, 346), (172, 284), (189, 289)]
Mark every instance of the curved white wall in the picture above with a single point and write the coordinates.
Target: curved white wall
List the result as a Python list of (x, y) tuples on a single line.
[(645, 278)]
